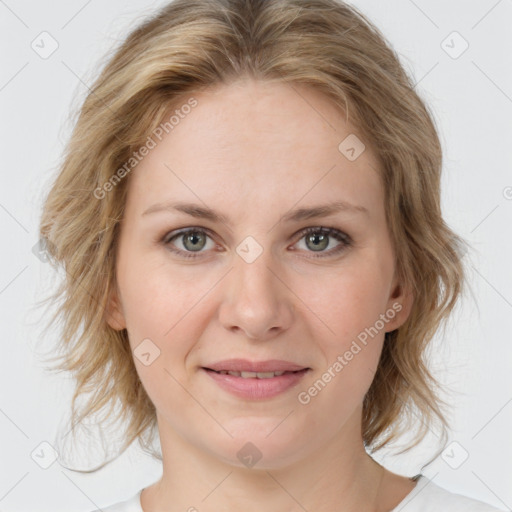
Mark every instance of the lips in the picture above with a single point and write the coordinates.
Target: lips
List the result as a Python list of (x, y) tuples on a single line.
[(244, 366), (255, 380), (252, 375)]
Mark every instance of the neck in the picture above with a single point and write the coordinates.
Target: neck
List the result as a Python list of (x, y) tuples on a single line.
[(340, 477)]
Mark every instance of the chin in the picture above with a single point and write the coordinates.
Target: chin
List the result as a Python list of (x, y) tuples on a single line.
[(262, 444)]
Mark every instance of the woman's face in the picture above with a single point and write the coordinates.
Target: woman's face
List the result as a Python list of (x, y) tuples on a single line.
[(216, 271)]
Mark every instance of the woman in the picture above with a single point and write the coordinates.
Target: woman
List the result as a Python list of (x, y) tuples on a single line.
[(249, 218)]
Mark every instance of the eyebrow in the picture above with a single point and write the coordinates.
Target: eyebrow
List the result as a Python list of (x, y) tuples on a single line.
[(299, 214)]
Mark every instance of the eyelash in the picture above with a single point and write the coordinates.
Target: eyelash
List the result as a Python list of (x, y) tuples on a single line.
[(346, 240)]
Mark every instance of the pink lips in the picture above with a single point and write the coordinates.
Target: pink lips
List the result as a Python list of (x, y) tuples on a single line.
[(253, 387), (243, 365)]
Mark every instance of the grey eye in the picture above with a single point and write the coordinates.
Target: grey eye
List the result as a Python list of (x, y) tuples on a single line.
[(194, 240), (189, 241), (317, 241)]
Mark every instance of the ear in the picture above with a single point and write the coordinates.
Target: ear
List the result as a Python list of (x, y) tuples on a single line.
[(114, 311), (399, 305)]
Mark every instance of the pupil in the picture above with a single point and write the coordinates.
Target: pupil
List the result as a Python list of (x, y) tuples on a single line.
[(193, 238), (315, 238)]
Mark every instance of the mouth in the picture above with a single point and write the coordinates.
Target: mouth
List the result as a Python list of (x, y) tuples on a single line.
[(255, 380), (245, 366), (255, 375)]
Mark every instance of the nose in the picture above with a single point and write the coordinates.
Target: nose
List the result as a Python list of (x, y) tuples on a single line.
[(257, 301)]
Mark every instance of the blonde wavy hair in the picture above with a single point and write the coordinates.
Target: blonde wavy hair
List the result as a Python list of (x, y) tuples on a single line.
[(188, 46)]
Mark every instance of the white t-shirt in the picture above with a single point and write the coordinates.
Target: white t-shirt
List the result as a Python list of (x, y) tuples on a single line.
[(425, 497)]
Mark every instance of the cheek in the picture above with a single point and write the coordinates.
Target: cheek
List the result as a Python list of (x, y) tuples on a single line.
[(348, 301), (155, 299), (168, 308), (160, 318), (350, 304), (351, 349)]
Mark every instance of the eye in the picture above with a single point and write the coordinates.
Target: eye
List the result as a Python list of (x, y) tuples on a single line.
[(193, 240), (317, 239)]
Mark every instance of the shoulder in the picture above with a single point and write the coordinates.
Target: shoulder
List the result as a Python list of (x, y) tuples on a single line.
[(429, 497), (132, 504)]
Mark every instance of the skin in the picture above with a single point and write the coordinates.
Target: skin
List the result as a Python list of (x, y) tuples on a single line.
[(254, 151)]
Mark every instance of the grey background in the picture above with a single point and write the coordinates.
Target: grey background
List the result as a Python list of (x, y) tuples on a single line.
[(471, 96)]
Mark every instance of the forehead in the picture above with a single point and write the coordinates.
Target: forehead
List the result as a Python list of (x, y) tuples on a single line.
[(261, 142)]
